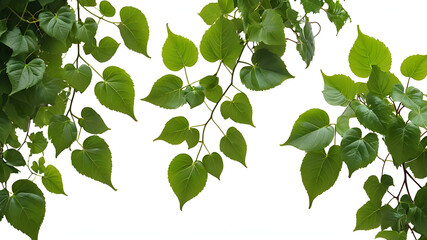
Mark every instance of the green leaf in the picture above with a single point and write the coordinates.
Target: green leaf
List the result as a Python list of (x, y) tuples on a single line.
[(62, 132), (319, 171), (106, 49), (178, 52), (44, 114), (3, 26), (270, 30), (116, 92), (358, 152), (420, 217), (381, 83), (210, 13), (59, 25), (167, 92), (175, 131), (86, 31), (38, 143), (4, 198), (24, 75), (305, 45), (88, 3), (368, 51), (339, 90), (268, 71), (47, 89), (92, 122), (312, 5), (343, 124), (412, 98), (19, 43), (5, 171), (14, 157), (419, 116), (192, 138), (414, 67), (419, 166), (239, 109), (214, 94), (41, 167), (226, 6), (221, 42), (209, 82), (233, 145), (376, 116), (337, 14), (368, 216), (52, 180), (94, 160), (391, 235), (187, 178), (311, 131), (107, 9), (5, 128), (134, 29), (213, 164), (194, 96), (376, 190), (26, 208), (402, 141), (79, 78)]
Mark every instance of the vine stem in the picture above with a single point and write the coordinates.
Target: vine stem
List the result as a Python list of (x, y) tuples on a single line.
[(91, 67), (405, 182), (26, 134), (114, 23), (186, 75)]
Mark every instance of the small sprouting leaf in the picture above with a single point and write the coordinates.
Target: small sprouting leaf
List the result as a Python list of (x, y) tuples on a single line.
[(14, 157), (26, 208), (414, 67), (339, 90), (175, 131), (358, 152), (94, 160), (402, 141), (116, 92), (221, 42), (106, 49), (194, 96), (268, 71), (86, 31), (392, 235), (419, 166), (368, 216), (420, 217), (41, 166), (167, 92), (18, 42), (419, 116), (134, 29), (376, 116), (381, 83), (52, 180), (213, 164), (178, 52), (192, 138), (376, 189), (107, 9), (38, 143), (319, 171), (187, 178), (368, 51), (306, 45), (23, 75), (79, 78), (311, 131), (412, 98), (92, 122), (210, 13), (312, 5), (239, 109), (270, 31), (59, 25), (233, 145), (337, 14), (62, 132)]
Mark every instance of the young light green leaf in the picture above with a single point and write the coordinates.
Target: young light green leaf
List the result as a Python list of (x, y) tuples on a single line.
[(319, 171), (94, 160), (226, 6), (412, 98), (175, 131), (381, 83), (419, 166), (311, 131), (79, 78), (116, 92), (392, 235), (194, 96), (419, 116), (134, 29), (414, 67), (368, 51), (343, 124), (23, 75), (214, 94), (52, 180), (107, 9), (192, 138), (337, 14), (213, 164), (368, 216), (178, 52), (312, 5), (239, 109), (187, 178), (358, 152), (270, 30), (38, 143), (106, 49), (92, 122), (221, 42), (18, 42), (268, 71), (88, 3), (210, 13), (376, 190), (167, 92), (306, 45), (26, 208), (14, 157), (377, 116), (62, 132), (339, 90), (59, 25), (233, 145)]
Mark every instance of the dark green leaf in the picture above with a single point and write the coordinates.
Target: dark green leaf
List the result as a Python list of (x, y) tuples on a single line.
[(86, 31), (92, 122), (339, 90), (192, 138), (270, 30), (391, 235), (4, 198), (52, 180), (419, 116), (167, 92), (239, 109), (374, 189), (44, 114), (412, 98), (134, 29), (312, 5), (376, 116), (57, 25), (233, 145), (194, 96), (19, 43), (210, 13), (213, 164), (3, 26), (305, 45), (209, 82), (14, 157), (414, 67), (107, 9), (175, 131), (62, 132), (79, 78), (368, 216), (420, 217), (381, 83), (106, 49), (311, 131), (187, 178), (419, 166), (337, 14), (38, 143), (94, 160), (24, 75), (5, 128), (47, 89), (5, 171), (178, 52)]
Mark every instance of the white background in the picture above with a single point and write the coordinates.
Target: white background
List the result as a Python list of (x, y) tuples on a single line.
[(267, 200)]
